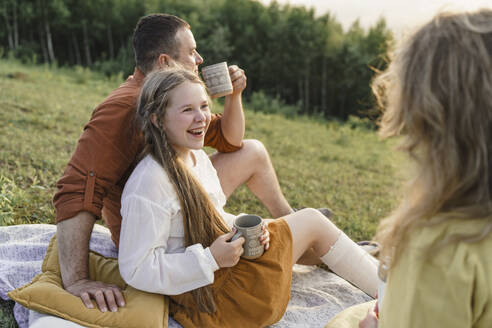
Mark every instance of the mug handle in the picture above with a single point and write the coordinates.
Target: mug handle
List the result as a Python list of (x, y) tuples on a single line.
[(237, 235)]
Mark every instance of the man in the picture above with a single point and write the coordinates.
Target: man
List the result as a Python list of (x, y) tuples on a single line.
[(109, 147)]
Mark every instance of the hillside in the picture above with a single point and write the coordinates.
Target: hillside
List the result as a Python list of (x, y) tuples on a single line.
[(319, 163)]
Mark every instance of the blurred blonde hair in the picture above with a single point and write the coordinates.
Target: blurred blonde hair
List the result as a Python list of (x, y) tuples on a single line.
[(437, 94)]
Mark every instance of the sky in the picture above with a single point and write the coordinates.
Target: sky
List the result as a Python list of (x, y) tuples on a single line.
[(401, 16)]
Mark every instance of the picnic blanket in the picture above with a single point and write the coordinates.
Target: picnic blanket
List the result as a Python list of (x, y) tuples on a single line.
[(316, 295)]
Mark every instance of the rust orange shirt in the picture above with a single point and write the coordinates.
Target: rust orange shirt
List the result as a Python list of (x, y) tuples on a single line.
[(107, 153)]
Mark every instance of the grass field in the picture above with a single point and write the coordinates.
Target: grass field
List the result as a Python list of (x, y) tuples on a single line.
[(319, 163)]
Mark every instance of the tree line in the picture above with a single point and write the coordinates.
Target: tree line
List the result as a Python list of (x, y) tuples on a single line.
[(289, 54)]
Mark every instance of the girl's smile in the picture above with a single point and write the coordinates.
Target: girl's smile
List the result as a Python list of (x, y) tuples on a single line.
[(198, 132)]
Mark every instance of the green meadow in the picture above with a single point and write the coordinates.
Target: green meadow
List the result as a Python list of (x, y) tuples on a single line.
[(320, 163)]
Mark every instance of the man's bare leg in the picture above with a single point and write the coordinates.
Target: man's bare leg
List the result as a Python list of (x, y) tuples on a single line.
[(251, 165)]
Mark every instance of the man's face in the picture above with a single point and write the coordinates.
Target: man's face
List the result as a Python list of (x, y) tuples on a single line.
[(187, 54)]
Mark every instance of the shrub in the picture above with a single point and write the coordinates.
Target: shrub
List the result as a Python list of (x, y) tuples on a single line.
[(81, 74), (27, 53), (356, 122), (122, 65), (261, 102)]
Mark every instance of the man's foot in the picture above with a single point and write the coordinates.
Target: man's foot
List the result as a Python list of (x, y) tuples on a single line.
[(324, 210)]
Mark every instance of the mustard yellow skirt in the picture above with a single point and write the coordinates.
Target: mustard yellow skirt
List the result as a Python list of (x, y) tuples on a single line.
[(250, 294)]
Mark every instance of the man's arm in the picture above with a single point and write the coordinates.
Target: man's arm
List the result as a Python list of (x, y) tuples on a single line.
[(73, 236), (104, 153), (233, 123)]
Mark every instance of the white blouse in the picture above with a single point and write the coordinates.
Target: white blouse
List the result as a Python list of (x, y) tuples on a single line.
[(152, 253)]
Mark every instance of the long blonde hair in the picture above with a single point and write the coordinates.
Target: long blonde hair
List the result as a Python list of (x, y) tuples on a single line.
[(202, 222), (437, 94)]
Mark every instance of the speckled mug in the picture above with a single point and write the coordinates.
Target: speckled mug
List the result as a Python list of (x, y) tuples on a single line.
[(250, 228), (217, 79)]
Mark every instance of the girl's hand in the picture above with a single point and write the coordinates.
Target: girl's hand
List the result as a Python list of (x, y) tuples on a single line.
[(371, 319), (227, 253), (265, 236)]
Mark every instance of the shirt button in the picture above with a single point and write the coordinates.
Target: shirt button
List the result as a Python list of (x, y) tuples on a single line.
[(91, 173)]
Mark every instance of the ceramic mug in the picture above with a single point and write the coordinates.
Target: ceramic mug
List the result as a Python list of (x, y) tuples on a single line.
[(217, 79), (250, 228)]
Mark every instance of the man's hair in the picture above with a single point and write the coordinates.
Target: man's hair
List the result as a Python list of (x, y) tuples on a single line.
[(154, 35)]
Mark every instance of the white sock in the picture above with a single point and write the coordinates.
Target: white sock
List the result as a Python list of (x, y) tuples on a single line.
[(352, 263)]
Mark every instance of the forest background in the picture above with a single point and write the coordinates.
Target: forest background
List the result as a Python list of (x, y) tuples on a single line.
[(296, 62)]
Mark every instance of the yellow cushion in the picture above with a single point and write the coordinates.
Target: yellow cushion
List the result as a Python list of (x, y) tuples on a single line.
[(46, 294), (350, 317)]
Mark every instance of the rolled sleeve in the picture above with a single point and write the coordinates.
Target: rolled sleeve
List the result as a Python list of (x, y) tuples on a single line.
[(103, 159), (216, 139), (77, 192)]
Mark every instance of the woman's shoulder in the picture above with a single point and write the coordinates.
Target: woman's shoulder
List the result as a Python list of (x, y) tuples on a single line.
[(207, 175), (201, 156), (452, 244), (439, 229), (144, 170), (203, 164), (149, 181), (448, 274)]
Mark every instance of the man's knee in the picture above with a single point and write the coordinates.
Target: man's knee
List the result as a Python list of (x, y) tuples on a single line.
[(255, 150)]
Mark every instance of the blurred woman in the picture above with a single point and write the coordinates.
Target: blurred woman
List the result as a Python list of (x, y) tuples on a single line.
[(437, 94)]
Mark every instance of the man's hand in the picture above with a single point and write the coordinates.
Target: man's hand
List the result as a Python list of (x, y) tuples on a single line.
[(106, 296), (238, 79), (73, 237)]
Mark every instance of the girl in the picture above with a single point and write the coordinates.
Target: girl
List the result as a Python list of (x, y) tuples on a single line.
[(438, 94), (175, 233)]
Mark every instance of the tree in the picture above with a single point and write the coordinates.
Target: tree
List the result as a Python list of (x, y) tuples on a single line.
[(46, 10), (288, 53), (9, 14)]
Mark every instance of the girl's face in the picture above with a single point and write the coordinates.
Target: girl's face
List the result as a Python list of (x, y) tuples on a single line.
[(187, 117)]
